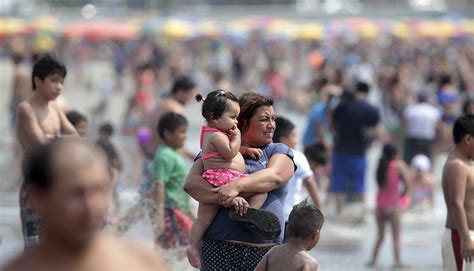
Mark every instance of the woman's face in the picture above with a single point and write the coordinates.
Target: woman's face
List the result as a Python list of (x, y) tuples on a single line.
[(261, 127)]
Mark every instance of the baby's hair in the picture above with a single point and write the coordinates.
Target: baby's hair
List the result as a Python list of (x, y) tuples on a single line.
[(304, 219), (215, 104)]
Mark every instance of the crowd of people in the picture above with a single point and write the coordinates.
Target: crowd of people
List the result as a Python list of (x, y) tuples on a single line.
[(413, 96)]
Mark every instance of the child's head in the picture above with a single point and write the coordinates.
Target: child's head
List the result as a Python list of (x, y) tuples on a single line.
[(285, 132), (305, 223), (463, 133), (48, 76), (220, 109), (172, 128), (106, 131), (79, 122), (421, 164), (316, 154), (389, 153)]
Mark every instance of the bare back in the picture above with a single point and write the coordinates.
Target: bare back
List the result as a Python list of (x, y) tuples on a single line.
[(281, 258), (458, 173), (217, 162), (37, 124), (21, 83), (165, 106), (107, 254)]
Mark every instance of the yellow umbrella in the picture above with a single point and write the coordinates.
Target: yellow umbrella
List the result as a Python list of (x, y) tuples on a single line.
[(11, 26), (45, 23), (177, 29), (283, 27), (467, 27), (401, 30), (368, 29), (208, 29), (310, 31)]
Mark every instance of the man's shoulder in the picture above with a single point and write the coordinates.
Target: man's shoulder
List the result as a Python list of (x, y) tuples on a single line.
[(23, 262)]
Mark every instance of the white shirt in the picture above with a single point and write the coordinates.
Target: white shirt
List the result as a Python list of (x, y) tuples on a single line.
[(295, 184), (421, 119)]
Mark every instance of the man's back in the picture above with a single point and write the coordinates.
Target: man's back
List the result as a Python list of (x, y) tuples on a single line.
[(285, 259), (165, 106), (352, 121)]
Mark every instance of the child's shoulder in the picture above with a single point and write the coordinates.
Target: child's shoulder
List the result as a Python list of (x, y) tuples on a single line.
[(309, 263)]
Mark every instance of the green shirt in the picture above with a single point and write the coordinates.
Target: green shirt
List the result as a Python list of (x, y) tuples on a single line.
[(171, 170)]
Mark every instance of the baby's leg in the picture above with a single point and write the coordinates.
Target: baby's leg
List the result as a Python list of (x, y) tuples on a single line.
[(256, 200), (206, 214)]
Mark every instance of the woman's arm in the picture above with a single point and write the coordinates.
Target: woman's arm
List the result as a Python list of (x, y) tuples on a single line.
[(279, 170), (197, 187)]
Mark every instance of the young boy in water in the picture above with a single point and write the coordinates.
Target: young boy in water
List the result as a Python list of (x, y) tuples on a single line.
[(40, 119), (304, 227)]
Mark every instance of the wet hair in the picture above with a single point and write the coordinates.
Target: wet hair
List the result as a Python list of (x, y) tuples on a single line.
[(462, 126), (183, 83), (107, 129), (389, 153), (75, 117), (304, 220), (284, 127), (362, 87), (170, 122), (249, 103), (215, 103), (46, 66), (316, 152)]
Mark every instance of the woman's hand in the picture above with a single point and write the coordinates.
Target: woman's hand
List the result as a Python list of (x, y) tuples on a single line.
[(226, 193)]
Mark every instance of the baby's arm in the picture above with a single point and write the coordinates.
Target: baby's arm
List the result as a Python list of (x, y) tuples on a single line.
[(254, 153), (226, 148)]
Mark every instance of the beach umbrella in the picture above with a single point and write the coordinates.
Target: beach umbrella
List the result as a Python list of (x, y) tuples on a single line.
[(13, 26), (44, 24), (310, 31), (101, 30), (401, 29), (282, 29), (207, 29), (176, 28)]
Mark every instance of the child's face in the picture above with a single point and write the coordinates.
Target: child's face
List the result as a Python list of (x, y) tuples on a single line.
[(176, 138), (291, 140), (228, 120), (51, 86), (81, 128)]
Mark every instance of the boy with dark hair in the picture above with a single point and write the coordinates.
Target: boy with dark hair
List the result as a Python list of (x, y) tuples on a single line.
[(79, 122), (68, 180), (172, 203), (285, 133), (182, 91), (39, 119), (304, 229), (458, 190)]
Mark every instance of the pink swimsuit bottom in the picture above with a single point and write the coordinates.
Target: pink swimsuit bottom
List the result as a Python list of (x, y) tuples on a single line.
[(221, 176)]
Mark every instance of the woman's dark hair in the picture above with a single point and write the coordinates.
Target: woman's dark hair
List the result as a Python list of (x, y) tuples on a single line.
[(75, 117), (249, 103), (46, 66), (215, 103), (389, 153), (462, 126), (170, 122), (284, 127)]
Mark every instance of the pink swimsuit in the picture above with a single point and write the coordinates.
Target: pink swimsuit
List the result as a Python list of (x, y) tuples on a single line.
[(389, 196), (221, 176)]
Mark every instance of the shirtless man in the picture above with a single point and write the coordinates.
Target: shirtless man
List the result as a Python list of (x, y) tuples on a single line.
[(21, 85), (181, 93), (69, 181), (39, 120), (458, 189)]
